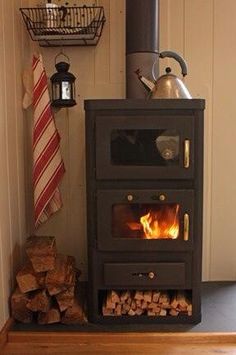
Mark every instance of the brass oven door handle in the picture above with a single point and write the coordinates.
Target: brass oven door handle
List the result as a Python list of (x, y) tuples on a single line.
[(186, 226), (186, 153)]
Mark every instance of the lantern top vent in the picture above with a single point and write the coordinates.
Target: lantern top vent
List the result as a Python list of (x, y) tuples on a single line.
[(64, 26)]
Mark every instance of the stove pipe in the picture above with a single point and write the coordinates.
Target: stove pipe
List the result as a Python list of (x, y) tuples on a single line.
[(142, 44)]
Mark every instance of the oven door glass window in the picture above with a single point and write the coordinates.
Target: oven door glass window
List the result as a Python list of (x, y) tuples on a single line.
[(146, 221), (141, 147)]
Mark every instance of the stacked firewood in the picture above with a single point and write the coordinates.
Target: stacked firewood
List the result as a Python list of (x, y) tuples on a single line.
[(150, 303), (47, 286)]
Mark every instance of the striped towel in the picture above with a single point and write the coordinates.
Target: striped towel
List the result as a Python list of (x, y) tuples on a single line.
[(48, 166)]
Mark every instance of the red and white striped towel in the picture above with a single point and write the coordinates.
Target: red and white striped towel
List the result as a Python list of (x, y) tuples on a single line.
[(48, 166)]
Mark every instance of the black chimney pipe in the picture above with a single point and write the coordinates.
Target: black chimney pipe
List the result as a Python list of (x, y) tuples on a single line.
[(142, 43)]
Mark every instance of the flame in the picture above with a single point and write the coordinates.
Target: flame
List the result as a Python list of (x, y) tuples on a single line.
[(157, 227)]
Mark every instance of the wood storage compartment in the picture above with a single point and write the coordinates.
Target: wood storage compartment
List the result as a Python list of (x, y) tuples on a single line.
[(150, 303)]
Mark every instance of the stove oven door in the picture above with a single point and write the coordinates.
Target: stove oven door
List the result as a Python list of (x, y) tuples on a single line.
[(141, 220), (145, 147)]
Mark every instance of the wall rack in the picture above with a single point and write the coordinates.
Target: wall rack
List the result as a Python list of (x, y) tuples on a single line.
[(64, 26)]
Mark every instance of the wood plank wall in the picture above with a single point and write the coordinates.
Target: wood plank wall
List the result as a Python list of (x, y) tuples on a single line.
[(13, 48), (203, 32)]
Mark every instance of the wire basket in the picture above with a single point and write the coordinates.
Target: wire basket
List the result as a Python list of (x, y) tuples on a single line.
[(64, 26)]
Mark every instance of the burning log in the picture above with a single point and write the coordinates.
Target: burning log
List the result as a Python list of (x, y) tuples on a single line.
[(41, 252)]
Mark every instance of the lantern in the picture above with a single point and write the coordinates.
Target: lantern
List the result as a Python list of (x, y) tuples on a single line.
[(63, 85)]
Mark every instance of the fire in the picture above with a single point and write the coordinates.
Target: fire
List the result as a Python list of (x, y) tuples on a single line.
[(156, 226)]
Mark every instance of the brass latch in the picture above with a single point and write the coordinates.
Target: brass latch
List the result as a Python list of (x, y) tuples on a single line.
[(186, 227), (186, 153)]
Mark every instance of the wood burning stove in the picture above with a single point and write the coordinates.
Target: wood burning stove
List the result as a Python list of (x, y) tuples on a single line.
[(144, 210)]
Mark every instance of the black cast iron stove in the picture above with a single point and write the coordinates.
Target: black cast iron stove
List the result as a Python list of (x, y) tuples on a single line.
[(144, 210)]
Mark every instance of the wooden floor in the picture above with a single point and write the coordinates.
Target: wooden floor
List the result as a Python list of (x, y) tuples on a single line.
[(27, 343)]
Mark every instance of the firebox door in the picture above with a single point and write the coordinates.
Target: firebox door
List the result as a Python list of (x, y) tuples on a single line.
[(145, 220)]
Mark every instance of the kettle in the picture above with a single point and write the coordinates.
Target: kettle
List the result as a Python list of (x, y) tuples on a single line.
[(167, 86)]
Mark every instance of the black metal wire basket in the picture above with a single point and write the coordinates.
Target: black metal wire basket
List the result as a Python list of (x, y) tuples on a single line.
[(65, 26)]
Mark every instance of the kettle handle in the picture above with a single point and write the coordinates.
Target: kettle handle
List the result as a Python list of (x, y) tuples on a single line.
[(176, 56)]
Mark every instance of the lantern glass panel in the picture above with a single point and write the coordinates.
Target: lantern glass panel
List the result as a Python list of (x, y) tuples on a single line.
[(66, 90), (56, 91)]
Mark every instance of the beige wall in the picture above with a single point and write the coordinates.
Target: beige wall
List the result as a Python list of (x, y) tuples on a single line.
[(13, 47), (200, 30)]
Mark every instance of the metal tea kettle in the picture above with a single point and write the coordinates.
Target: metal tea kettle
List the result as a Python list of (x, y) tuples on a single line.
[(167, 86)]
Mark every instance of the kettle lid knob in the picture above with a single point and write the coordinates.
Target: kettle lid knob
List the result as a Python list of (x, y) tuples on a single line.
[(168, 70)]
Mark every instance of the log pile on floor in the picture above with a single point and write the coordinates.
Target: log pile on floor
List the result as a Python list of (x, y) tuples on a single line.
[(47, 287), (149, 303)]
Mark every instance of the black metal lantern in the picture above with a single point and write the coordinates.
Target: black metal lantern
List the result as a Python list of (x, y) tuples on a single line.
[(63, 85)]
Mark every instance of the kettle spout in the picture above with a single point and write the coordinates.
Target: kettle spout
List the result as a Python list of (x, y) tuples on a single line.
[(148, 84)]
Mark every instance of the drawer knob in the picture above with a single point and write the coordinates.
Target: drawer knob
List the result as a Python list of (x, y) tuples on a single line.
[(151, 275), (162, 197), (130, 197)]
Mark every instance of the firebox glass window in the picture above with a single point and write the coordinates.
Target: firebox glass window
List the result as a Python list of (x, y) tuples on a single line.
[(145, 221), (158, 147)]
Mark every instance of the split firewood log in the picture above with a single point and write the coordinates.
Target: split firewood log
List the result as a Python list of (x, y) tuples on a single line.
[(125, 295), (147, 296), (163, 312), (144, 305), (138, 295), (173, 312), (76, 314), (51, 316), (28, 280), (117, 310), (126, 307), (41, 251), (115, 298), (131, 312), (107, 311), (133, 305), (39, 301), (155, 296), (139, 311), (66, 298), (190, 309), (174, 303), (182, 300), (164, 298), (109, 303), (62, 276), (19, 308)]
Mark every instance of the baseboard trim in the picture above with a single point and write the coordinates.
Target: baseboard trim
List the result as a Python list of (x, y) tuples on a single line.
[(108, 338), (5, 331)]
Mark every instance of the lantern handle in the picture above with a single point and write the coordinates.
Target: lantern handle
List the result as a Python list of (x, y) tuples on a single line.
[(62, 54)]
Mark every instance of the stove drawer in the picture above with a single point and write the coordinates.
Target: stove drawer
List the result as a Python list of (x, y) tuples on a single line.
[(164, 274)]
